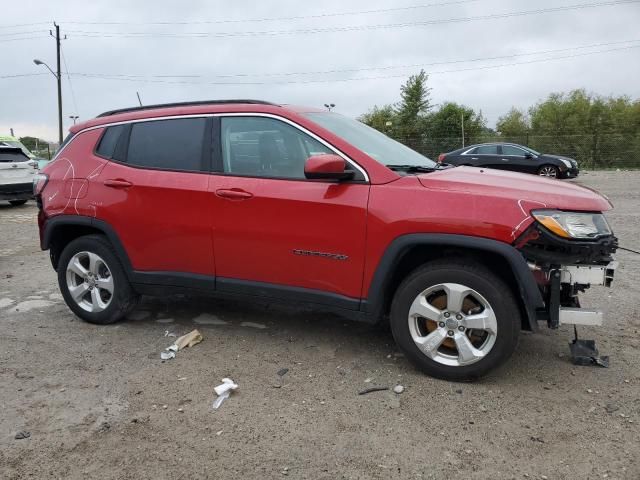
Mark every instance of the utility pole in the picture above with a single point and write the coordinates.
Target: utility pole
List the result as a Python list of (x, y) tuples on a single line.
[(462, 123), (59, 78)]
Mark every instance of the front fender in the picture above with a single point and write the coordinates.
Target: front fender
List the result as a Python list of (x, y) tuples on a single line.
[(530, 295)]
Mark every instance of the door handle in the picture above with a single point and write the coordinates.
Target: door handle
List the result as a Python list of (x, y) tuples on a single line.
[(474, 158), (504, 159), (117, 183), (233, 194)]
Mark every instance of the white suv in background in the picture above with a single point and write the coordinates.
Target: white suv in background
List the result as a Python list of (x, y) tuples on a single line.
[(16, 175)]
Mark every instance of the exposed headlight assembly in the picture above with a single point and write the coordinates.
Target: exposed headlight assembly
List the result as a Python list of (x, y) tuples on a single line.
[(578, 225)]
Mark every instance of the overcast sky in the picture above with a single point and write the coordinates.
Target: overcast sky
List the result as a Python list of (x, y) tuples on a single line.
[(166, 62)]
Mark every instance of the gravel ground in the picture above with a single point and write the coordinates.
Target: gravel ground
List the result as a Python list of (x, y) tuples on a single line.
[(99, 403)]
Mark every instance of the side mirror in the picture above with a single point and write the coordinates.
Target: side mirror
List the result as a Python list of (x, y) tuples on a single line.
[(528, 155), (326, 167)]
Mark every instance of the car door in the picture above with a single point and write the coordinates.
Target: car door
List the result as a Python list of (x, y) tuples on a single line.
[(275, 232), (155, 195), (515, 159), (483, 156)]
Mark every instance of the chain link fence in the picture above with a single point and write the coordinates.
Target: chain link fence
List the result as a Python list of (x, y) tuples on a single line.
[(592, 151)]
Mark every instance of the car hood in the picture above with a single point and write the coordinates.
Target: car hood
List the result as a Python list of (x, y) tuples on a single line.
[(548, 193), (556, 157)]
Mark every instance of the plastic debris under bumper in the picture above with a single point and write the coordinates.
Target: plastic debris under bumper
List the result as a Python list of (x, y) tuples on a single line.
[(586, 275), (580, 316), (589, 274)]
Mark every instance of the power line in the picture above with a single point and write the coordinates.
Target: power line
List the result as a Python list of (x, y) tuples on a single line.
[(288, 82), (389, 67), (350, 70), (25, 24), (104, 34), (22, 38), (73, 95), (19, 33), (23, 75), (274, 19)]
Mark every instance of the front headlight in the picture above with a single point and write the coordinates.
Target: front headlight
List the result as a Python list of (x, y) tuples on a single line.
[(578, 225), (566, 162)]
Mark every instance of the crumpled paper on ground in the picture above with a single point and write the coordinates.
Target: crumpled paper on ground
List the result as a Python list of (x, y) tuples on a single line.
[(189, 340)]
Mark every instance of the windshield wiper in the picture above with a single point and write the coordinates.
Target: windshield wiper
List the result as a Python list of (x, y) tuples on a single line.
[(415, 168)]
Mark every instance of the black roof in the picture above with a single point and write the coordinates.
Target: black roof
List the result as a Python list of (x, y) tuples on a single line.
[(185, 104)]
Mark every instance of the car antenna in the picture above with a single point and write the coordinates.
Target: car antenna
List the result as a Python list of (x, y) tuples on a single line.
[(139, 101)]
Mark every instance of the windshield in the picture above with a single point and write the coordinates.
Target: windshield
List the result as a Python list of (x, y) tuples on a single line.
[(375, 144)]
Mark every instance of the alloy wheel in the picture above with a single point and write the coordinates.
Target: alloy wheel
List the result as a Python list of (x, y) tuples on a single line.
[(89, 281), (452, 324), (548, 171)]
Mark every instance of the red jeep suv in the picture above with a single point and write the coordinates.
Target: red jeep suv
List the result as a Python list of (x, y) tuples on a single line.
[(248, 198)]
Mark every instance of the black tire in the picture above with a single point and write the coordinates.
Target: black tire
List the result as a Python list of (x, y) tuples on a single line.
[(17, 203), (124, 299), (553, 168), (480, 279)]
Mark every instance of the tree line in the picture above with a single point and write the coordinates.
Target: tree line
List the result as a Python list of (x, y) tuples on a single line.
[(598, 131)]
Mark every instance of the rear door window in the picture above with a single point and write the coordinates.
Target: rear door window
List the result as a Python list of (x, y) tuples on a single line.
[(107, 146), (175, 144), (486, 150)]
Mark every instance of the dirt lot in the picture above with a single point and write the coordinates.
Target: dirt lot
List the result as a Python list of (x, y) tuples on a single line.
[(99, 403)]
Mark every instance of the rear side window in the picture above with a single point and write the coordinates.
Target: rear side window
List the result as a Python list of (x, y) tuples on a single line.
[(168, 144), (486, 150), (109, 140), (12, 156)]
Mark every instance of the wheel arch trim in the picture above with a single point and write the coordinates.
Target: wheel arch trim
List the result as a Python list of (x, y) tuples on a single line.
[(58, 222), (530, 295)]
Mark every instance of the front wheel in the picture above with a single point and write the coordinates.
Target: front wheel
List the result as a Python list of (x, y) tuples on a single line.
[(455, 321), (548, 171), (93, 282)]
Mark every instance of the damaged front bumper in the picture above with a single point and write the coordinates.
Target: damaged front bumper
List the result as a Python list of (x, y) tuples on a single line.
[(565, 268), (584, 275)]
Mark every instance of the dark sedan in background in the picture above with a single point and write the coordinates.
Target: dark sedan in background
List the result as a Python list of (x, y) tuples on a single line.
[(510, 156)]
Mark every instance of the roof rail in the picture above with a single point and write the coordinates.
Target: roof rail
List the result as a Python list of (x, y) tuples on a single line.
[(184, 104)]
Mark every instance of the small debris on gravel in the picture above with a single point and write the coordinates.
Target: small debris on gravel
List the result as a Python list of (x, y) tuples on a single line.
[(282, 372), (459, 390), (610, 408), (22, 435), (104, 427), (537, 439), (372, 389), (398, 389)]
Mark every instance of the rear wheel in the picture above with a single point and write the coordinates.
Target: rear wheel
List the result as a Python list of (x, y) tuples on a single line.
[(17, 203), (455, 321), (93, 282), (548, 171)]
